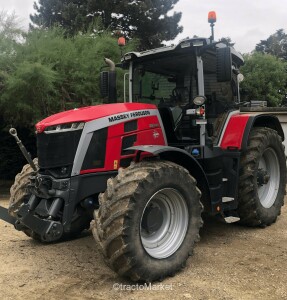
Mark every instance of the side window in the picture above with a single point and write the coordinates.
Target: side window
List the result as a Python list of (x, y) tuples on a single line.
[(150, 87)]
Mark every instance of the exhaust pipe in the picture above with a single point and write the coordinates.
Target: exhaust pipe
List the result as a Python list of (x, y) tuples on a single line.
[(111, 64), (108, 81)]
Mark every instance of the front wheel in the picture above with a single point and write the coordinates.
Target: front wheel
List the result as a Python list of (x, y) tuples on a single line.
[(148, 221), (262, 178), (19, 194)]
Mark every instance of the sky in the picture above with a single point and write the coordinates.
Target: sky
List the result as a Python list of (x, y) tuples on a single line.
[(246, 22)]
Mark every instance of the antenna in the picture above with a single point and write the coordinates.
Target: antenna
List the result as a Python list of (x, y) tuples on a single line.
[(212, 20)]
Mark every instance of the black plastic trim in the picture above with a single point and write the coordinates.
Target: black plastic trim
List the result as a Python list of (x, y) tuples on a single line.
[(262, 120), (71, 190), (81, 187), (96, 153)]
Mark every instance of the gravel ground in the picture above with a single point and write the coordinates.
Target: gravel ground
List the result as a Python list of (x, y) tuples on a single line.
[(230, 262)]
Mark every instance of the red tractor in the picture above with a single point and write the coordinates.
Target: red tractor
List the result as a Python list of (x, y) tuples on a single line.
[(143, 171)]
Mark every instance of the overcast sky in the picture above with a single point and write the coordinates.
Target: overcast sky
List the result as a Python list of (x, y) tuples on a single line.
[(246, 22)]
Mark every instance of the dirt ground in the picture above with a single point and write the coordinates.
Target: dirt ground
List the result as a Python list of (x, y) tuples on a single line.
[(230, 262)]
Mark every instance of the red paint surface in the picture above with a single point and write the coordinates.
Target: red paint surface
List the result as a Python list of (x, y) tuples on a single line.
[(86, 114), (234, 132), (145, 136)]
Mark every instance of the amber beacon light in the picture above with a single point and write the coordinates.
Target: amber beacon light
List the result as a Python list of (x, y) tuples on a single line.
[(212, 17), (212, 20), (121, 41)]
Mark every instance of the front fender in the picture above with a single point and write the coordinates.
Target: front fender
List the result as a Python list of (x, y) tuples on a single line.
[(184, 159)]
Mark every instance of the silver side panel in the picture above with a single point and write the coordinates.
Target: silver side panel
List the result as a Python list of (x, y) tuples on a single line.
[(131, 82), (97, 124), (200, 75), (201, 93)]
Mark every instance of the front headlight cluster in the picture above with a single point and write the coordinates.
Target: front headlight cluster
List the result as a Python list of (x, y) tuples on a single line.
[(64, 127)]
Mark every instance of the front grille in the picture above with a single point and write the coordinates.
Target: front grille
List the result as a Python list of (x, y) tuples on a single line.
[(57, 150)]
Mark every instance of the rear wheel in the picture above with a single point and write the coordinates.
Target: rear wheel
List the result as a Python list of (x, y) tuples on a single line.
[(262, 178), (148, 221)]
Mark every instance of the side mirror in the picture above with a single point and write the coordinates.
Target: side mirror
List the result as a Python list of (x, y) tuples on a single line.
[(108, 85), (223, 64)]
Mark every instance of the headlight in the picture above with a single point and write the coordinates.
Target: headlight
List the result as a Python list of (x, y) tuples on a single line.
[(199, 100), (64, 127)]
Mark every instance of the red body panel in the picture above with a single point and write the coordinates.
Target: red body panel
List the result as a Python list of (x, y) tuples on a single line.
[(145, 135), (86, 114), (233, 134)]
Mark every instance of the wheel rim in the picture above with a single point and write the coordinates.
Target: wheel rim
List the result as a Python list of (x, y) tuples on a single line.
[(164, 223), (269, 167)]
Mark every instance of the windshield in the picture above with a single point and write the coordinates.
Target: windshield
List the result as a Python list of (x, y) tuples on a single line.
[(168, 81)]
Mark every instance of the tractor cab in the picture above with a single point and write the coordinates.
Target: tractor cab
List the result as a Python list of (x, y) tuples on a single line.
[(194, 84), (190, 82)]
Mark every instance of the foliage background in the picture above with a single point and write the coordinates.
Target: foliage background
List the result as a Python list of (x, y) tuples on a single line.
[(151, 22), (265, 78)]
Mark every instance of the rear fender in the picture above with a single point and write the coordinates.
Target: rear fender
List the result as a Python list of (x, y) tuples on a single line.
[(262, 120), (236, 132)]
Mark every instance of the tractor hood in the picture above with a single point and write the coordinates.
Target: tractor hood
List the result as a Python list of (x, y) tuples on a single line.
[(86, 114)]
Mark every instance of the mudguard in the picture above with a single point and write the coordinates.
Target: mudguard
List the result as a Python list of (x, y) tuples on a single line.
[(180, 157), (238, 126)]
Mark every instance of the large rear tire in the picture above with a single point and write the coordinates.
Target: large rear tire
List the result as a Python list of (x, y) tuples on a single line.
[(262, 178), (148, 221)]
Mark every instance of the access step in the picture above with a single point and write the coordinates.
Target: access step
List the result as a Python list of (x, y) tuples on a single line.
[(231, 219), (227, 199)]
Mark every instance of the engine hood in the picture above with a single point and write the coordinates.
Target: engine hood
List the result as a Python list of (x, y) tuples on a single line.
[(89, 113)]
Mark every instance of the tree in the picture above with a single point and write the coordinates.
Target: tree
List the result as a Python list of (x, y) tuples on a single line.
[(28, 93), (10, 35), (275, 45), (72, 15), (9, 26), (145, 20), (227, 41), (265, 78), (52, 73)]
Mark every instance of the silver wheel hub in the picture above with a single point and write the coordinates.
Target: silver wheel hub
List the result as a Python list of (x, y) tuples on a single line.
[(164, 223), (268, 178)]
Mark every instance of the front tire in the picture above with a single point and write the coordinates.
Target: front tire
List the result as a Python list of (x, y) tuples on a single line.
[(19, 194), (262, 178), (148, 221)]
